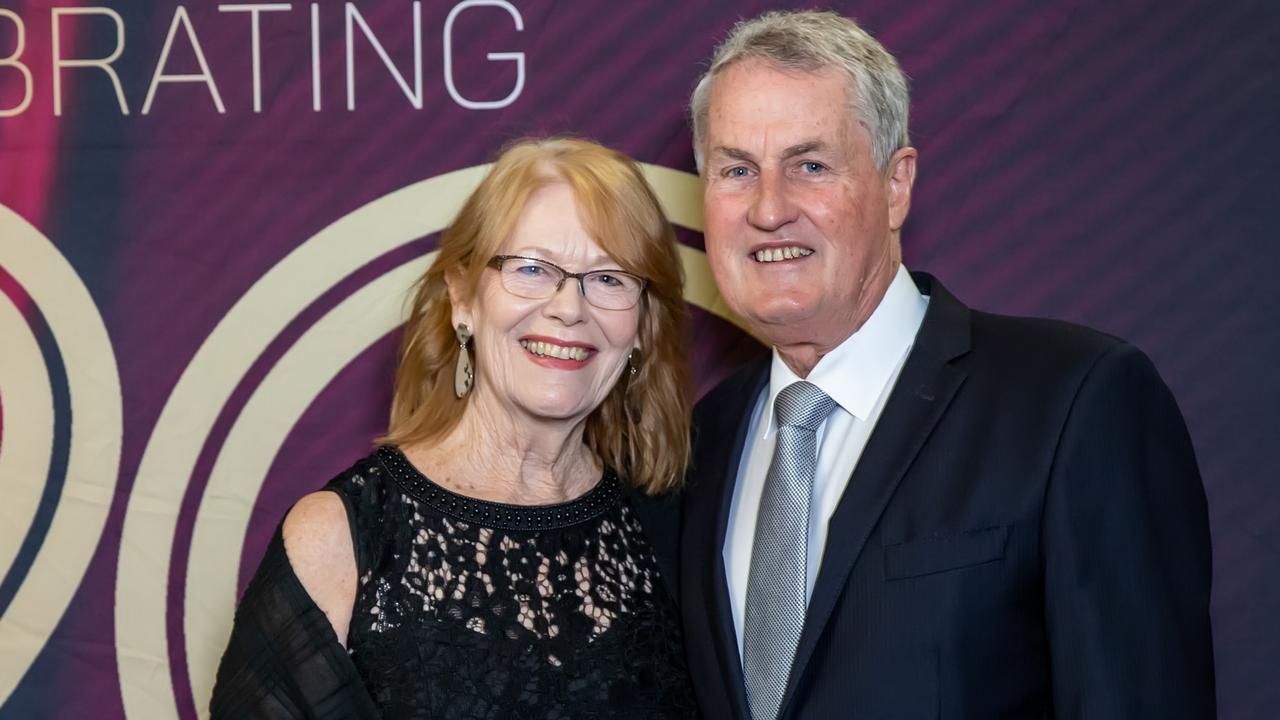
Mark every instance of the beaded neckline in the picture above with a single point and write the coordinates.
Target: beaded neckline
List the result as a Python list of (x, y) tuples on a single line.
[(502, 516)]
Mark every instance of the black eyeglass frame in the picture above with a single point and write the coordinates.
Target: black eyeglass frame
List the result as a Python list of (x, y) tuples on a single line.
[(496, 262)]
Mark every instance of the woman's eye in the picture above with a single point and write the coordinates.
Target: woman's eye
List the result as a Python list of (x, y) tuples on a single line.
[(531, 270), (608, 280)]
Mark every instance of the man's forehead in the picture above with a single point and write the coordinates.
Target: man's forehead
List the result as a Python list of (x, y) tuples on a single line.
[(737, 135), (764, 94), (746, 76)]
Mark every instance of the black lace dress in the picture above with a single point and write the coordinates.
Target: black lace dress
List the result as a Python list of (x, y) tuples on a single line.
[(465, 609)]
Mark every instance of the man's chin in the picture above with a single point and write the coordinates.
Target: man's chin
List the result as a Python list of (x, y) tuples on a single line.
[(786, 325)]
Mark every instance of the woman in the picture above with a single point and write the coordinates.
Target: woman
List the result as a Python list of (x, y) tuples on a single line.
[(487, 562)]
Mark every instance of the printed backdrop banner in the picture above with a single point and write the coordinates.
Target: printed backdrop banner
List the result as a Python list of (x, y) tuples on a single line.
[(210, 214)]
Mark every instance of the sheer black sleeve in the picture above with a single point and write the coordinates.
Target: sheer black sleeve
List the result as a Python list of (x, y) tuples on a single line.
[(284, 660)]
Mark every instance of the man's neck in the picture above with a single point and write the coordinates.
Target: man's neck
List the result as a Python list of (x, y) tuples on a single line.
[(802, 358)]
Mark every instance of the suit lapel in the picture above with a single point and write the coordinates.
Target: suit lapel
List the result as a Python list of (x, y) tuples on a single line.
[(718, 455), (922, 393)]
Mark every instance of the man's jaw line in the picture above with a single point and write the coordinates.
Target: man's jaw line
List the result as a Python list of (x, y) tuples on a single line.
[(802, 354)]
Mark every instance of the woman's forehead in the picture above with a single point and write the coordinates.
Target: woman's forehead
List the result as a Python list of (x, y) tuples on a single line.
[(550, 228)]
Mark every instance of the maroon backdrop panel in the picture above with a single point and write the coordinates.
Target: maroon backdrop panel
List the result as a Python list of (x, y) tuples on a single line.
[(1111, 163)]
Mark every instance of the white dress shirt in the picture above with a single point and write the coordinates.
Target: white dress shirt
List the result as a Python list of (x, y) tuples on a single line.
[(859, 375)]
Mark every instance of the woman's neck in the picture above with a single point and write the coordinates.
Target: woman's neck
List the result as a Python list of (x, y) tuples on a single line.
[(492, 455)]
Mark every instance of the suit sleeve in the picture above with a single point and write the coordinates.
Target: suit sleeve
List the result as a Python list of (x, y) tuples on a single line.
[(1126, 553)]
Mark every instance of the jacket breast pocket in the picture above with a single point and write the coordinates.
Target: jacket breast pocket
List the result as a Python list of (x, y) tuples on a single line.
[(944, 552)]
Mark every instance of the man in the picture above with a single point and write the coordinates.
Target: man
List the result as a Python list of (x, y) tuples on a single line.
[(913, 509)]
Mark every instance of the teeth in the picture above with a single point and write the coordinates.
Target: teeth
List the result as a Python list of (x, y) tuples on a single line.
[(787, 253), (546, 349)]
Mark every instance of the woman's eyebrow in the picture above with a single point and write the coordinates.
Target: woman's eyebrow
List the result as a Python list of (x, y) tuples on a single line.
[(603, 262)]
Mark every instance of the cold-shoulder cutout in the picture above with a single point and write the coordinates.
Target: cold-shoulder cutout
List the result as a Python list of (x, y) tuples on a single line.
[(318, 541)]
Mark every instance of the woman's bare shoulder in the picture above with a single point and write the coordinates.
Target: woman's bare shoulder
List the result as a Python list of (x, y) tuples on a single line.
[(317, 539)]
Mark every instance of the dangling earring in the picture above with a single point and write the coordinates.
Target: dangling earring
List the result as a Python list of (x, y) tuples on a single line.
[(464, 374), (633, 361)]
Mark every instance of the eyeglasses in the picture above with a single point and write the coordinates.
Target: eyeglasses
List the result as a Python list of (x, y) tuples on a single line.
[(538, 279)]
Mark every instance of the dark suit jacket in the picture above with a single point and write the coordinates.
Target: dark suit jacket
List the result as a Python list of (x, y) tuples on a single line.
[(1025, 536)]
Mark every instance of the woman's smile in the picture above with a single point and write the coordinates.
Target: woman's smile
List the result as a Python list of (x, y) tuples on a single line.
[(559, 354)]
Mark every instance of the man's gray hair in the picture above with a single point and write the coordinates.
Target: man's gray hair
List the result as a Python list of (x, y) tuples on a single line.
[(811, 41)]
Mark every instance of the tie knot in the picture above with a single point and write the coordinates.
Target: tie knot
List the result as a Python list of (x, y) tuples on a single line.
[(802, 404)]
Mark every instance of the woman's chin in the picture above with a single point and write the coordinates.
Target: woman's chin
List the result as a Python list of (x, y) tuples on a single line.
[(556, 408)]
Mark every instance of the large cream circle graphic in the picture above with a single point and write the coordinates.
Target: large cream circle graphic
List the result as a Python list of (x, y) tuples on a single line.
[(93, 460), (244, 459), (28, 432), (272, 410)]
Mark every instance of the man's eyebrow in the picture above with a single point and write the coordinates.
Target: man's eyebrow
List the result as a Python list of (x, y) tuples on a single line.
[(734, 153), (804, 148), (798, 149)]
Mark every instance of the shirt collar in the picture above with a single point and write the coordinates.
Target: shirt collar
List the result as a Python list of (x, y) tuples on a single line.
[(856, 372)]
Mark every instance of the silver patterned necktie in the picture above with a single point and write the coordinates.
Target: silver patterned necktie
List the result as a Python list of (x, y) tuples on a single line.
[(777, 583)]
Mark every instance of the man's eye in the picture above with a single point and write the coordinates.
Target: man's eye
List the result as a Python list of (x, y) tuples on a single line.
[(736, 172), (812, 167)]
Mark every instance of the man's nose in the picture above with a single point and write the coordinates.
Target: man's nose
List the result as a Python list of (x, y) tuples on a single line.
[(771, 208)]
